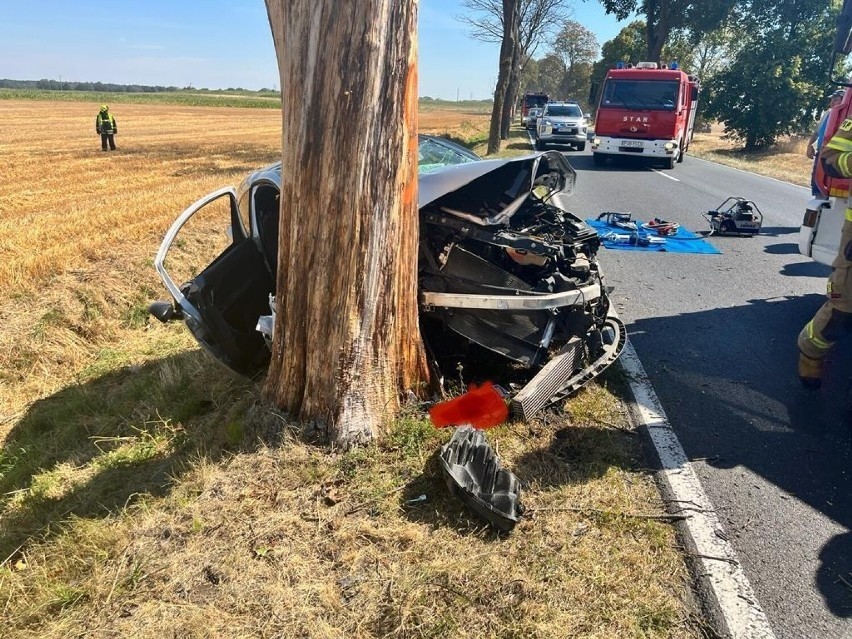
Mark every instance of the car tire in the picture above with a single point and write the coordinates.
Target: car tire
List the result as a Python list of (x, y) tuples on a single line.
[(581, 147), (598, 159), (729, 227), (681, 155)]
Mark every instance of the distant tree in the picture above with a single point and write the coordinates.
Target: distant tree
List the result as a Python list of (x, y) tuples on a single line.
[(577, 48), (777, 77), (627, 46), (662, 17), (551, 72), (538, 20), (530, 76)]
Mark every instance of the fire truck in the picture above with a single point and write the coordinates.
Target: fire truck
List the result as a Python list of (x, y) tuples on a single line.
[(646, 111), (531, 101)]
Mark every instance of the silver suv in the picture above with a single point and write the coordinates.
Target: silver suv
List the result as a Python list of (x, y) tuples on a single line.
[(561, 123)]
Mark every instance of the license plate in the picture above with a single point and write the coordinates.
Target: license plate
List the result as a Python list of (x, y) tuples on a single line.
[(636, 143)]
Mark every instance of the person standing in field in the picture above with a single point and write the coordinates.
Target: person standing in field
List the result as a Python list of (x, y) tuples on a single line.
[(105, 125)]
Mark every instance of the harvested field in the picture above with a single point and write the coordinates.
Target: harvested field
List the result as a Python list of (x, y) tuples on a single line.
[(144, 490)]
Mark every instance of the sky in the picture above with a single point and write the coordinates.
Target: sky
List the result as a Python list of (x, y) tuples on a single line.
[(220, 44)]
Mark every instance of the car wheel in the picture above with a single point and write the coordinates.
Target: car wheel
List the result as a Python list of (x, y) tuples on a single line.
[(681, 154), (728, 227), (581, 147), (598, 158)]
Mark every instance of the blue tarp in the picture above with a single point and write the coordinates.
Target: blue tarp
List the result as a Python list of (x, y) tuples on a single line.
[(682, 242)]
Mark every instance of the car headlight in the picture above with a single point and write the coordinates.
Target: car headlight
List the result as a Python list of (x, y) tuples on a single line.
[(582, 129), (668, 146), (596, 141), (545, 122)]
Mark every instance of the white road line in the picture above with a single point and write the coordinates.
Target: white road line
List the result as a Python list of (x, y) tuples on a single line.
[(718, 574), (665, 175)]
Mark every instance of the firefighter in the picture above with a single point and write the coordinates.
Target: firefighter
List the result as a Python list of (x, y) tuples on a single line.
[(834, 319), (816, 139), (105, 125)]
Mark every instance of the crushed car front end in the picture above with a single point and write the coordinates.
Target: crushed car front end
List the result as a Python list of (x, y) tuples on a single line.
[(506, 273), (509, 283)]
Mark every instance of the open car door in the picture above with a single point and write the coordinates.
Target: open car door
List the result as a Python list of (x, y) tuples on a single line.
[(221, 299)]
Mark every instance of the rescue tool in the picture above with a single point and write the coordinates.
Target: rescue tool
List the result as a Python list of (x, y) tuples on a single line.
[(735, 216)]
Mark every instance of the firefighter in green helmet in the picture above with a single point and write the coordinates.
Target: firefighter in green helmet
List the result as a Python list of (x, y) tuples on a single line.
[(105, 126)]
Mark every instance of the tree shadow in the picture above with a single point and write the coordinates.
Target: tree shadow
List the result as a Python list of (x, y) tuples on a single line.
[(776, 231), (806, 269), (614, 164), (747, 409), (787, 248), (92, 448)]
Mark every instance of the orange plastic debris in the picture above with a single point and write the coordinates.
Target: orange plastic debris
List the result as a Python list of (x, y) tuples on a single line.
[(481, 406)]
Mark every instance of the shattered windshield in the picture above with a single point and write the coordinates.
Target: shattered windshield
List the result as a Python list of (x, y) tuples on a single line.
[(640, 94), (435, 154)]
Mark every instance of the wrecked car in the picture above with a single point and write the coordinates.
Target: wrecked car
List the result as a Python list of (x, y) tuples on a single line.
[(509, 283)]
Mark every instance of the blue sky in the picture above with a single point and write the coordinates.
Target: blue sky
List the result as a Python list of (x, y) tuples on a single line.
[(220, 44)]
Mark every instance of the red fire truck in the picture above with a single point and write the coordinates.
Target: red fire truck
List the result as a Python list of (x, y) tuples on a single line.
[(531, 101), (646, 111)]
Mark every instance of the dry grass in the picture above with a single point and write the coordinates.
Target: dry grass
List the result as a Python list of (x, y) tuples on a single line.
[(786, 161), (143, 490)]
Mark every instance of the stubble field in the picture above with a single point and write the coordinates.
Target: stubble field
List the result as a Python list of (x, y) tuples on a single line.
[(145, 493)]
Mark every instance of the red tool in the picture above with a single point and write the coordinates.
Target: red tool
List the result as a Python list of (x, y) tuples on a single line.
[(481, 406)]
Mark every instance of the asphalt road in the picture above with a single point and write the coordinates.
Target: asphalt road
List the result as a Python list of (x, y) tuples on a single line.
[(717, 335)]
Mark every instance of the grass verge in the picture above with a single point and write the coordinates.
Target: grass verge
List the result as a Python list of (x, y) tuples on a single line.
[(786, 161), (143, 489)]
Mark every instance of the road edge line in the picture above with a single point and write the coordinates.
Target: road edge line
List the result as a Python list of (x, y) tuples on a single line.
[(726, 593), (736, 168)]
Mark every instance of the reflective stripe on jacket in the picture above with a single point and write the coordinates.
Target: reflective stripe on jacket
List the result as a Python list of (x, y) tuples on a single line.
[(836, 157), (105, 123)]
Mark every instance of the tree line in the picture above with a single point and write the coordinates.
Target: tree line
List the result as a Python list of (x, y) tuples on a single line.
[(763, 64), (108, 87)]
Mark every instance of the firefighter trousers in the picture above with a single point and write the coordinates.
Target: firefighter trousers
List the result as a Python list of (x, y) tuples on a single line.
[(834, 318), (107, 138)]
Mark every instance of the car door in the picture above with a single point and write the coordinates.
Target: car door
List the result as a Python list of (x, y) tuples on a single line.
[(819, 235), (828, 229), (220, 299)]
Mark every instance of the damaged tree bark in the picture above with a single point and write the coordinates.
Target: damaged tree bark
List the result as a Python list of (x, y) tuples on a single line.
[(347, 339)]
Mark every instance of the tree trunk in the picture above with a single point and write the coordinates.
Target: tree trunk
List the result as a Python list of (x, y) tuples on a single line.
[(507, 49), (347, 339), (511, 94), (657, 28)]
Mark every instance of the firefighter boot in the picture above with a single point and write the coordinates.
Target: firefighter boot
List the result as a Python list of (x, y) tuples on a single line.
[(810, 371)]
